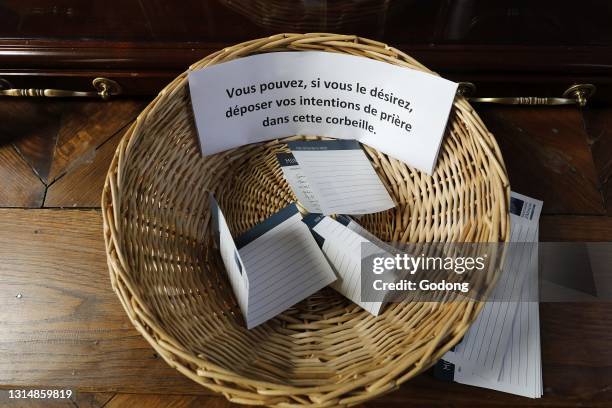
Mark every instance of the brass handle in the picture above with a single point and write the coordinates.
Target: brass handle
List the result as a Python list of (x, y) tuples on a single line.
[(574, 95), (104, 88)]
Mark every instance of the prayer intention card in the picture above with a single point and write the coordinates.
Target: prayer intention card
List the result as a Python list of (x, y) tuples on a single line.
[(342, 246), (334, 177), (501, 350), (273, 266), (398, 110), (299, 183)]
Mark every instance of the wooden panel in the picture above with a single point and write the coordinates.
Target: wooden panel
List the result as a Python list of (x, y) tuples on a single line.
[(156, 39), (78, 400), (86, 126), (74, 18), (82, 185), (32, 125), (575, 228), (547, 156), (565, 386), (61, 325), (7, 402), (68, 330), (92, 400), (19, 186), (598, 122), (423, 391), (174, 401), (547, 22)]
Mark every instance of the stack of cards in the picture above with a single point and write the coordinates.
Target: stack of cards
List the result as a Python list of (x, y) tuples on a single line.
[(501, 350)]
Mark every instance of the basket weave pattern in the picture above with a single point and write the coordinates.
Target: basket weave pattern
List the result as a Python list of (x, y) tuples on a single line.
[(325, 351)]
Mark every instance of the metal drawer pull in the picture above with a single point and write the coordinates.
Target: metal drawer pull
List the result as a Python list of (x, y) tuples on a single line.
[(574, 95), (104, 88)]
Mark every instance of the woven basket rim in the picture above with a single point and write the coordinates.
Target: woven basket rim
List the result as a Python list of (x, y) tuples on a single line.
[(136, 307)]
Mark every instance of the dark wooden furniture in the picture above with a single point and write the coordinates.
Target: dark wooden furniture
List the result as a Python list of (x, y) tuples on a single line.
[(505, 47)]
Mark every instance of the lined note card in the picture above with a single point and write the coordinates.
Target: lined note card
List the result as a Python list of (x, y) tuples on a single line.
[(521, 371), (343, 248), (349, 223), (501, 350), (298, 182), (334, 177), (274, 265)]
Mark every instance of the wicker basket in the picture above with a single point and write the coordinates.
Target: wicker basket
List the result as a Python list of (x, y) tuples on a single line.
[(325, 351)]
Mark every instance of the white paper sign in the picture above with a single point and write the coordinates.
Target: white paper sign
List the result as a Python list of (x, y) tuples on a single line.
[(397, 110)]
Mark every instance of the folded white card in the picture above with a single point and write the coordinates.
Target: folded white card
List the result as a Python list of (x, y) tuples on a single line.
[(343, 248), (273, 266), (398, 110), (334, 177)]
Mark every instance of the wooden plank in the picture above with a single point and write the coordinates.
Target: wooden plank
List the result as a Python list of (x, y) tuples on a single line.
[(598, 123), (92, 399), (423, 390), (426, 391), (19, 186), (82, 186), (78, 400), (547, 155), (164, 401), (86, 126), (61, 325), (68, 330), (6, 401), (575, 228), (32, 125)]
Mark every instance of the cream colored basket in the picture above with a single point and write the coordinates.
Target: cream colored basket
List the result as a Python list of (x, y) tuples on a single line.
[(325, 351)]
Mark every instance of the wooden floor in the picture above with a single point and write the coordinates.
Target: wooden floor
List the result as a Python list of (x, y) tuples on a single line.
[(61, 325)]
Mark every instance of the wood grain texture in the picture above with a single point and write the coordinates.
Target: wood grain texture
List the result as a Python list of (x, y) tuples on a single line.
[(82, 185), (169, 401), (92, 399), (68, 329), (547, 155), (32, 126), (7, 402), (575, 228), (68, 321), (61, 325), (598, 123), (85, 127), (19, 186), (78, 400)]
